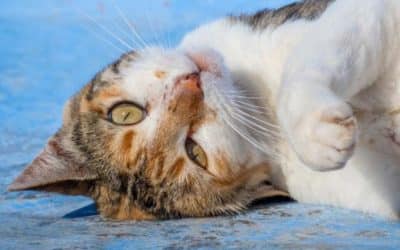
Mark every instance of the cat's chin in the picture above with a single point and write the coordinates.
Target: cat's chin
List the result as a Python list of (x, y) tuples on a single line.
[(207, 60)]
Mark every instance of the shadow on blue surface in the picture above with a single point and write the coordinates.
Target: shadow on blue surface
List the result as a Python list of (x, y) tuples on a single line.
[(89, 210)]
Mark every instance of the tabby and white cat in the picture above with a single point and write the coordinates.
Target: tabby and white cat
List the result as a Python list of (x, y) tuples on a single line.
[(305, 98)]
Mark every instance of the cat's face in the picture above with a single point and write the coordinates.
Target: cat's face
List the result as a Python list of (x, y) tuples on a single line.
[(150, 137)]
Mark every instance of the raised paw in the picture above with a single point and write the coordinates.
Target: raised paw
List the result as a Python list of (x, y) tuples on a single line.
[(325, 140)]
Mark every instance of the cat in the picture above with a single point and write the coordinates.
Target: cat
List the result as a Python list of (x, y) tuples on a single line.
[(299, 101)]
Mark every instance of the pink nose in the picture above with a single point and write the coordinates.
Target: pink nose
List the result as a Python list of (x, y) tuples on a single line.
[(190, 83)]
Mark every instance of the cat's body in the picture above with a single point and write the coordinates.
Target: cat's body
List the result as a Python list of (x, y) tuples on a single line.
[(351, 49), (328, 75)]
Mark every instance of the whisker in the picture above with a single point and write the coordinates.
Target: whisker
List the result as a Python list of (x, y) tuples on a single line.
[(250, 105), (168, 37), (245, 97), (255, 127), (156, 36), (253, 110), (235, 91), (255, 143), (131, 27), (243, 135), (109, 42), (273, 126), (227, 117), (237, 113), (106, 30), (125, 34), (254, 124)]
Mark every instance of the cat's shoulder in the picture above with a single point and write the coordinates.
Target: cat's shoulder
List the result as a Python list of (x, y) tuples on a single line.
[(307, 10)]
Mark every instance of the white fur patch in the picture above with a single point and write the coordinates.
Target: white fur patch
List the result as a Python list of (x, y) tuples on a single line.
[(313, 73)]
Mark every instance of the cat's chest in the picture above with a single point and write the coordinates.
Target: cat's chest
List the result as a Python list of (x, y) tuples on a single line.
[(255, 58), (384, 93), (378, 113)]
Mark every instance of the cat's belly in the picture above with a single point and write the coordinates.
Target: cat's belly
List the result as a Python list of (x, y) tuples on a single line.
[(377, 109), (369, 182)]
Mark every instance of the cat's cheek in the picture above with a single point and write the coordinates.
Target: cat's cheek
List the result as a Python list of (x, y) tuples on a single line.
[(220, 165)]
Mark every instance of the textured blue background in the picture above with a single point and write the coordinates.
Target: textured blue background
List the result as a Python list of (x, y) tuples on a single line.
[(47, 53)]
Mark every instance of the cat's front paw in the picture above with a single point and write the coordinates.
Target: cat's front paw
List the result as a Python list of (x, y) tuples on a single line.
[(325, 139)]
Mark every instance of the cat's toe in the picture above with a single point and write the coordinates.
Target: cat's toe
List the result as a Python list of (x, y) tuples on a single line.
[(328, 138)]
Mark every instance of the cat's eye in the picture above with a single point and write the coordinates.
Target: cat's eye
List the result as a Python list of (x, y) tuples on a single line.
[(126, 114), (196, 153)]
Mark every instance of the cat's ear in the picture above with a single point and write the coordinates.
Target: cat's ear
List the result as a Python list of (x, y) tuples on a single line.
[(55, 170)]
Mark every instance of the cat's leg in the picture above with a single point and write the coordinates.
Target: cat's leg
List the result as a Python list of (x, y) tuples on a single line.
[(320, 126), (342, 55)]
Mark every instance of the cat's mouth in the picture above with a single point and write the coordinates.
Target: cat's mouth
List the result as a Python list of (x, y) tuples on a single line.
[(207, 61)]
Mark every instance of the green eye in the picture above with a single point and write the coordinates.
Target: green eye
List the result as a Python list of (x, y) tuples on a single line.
[(196, 153), (126, 114)]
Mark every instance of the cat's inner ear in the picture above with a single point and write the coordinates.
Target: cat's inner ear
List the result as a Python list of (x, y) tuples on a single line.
[(55, 170)]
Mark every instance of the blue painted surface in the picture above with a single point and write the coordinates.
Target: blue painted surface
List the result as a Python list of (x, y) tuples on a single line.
[(47, 54)]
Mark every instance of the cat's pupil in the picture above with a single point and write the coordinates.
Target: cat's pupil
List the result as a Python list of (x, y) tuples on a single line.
[(126, 116)]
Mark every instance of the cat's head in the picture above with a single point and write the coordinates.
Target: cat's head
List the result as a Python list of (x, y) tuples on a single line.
[(151, 137)]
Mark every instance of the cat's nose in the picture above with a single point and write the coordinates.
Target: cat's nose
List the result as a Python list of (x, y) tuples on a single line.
[(190, 83)]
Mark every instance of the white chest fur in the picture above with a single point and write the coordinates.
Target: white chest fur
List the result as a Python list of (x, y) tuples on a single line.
[(353, 51)]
